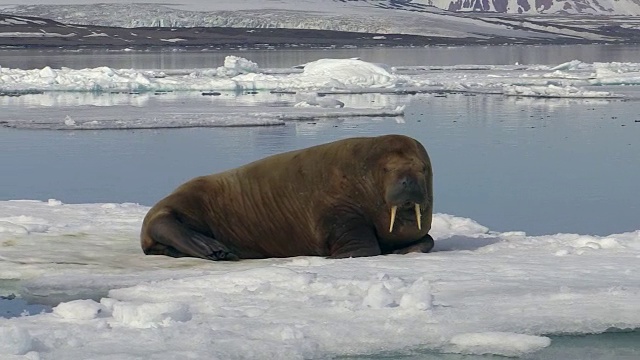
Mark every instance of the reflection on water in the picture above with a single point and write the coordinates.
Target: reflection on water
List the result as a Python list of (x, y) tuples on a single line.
[(105, 111), (536, 165), (202, 58), (73, 101)]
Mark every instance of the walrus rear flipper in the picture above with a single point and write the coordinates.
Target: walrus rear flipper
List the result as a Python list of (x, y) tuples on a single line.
[(423, 245), (182, 241)]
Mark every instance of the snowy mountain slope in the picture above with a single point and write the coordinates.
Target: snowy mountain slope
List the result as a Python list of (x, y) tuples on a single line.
[(23, 31), (373, 17), (595, 7), (354, 7)]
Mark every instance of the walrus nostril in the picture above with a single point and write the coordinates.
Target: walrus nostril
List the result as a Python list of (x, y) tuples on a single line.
[(408, 182)]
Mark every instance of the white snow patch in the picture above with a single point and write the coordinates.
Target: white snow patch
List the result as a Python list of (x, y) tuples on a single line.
[(78, 310)]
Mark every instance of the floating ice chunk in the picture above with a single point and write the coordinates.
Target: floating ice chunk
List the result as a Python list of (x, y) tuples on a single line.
[(54, 202), (235, 65), (614, 76), (69, 121), (320, 102), (569, 65), (349, 73), (78, 310), (497, 343), (554, 91)]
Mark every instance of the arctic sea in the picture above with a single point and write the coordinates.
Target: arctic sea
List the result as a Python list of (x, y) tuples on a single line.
[(539, 165), (528, 164)]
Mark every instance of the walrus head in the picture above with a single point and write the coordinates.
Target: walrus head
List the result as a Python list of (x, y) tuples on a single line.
[(405, 180), (405, 184)]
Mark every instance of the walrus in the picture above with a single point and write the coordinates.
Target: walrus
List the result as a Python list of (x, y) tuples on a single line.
[(355, 197)]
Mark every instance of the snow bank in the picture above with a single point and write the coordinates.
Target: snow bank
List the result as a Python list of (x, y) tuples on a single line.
[(479, 292)]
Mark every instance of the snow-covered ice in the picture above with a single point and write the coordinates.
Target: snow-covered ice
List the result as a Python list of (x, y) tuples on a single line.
[(326, 75), (312, 89), (479, 292), (239, 74)]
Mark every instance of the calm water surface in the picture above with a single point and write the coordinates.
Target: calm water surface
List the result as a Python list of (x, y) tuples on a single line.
[(539, 166), (536, 165), (455, 55)]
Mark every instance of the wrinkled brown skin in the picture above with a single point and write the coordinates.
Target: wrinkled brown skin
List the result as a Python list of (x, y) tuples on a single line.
[(329, 200)]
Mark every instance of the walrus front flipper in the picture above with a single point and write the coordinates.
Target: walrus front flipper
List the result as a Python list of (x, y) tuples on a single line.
[(357, 242), (168, 231), (423, 245)]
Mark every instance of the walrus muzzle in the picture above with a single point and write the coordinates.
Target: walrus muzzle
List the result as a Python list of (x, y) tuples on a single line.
[(408, 195)]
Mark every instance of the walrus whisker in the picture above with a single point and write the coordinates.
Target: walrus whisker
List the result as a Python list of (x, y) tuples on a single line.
[(418, 217), (394, 209)]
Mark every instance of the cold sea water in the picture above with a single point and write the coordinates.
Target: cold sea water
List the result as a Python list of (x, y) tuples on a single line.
[(542, 166)]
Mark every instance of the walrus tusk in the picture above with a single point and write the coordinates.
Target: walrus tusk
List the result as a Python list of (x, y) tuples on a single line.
[(393, 217), (418, 217)]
